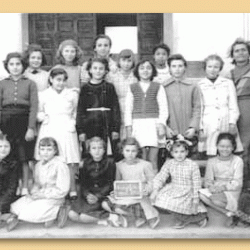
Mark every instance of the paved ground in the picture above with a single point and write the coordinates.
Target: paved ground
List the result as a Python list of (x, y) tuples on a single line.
[(215, 229)]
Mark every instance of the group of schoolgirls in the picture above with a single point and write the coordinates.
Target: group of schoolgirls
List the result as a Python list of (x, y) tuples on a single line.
[(99, 104)]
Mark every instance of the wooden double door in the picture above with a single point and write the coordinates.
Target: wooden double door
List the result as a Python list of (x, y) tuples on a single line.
[(49, 30)]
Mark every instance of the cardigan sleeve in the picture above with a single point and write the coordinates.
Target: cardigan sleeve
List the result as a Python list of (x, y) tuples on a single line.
[(233, 105), (41, 102), (237, 181), (115, 111), (162, 176), (163, 106), (62, 186), (106, 189), (128, 108), (81, 112), (196, 108), (33, 105)]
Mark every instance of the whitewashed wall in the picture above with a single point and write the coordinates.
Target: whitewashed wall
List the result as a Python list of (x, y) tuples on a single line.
[(13, 31), (196, 35)]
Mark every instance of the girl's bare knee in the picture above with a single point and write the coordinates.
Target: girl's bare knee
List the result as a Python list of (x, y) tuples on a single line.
[(73, 215)]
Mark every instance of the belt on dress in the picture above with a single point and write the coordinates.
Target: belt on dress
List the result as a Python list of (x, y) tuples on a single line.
[(99, 109)]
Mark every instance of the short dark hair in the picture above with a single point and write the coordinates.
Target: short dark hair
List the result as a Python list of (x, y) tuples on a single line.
[(227, 136), (15, 55), (102, 36), (49, 141), (34, 48), (236, 42), (177, 57), (136, 70), (162, 46), (100, 60), (179, 143), (57, 71), (213, 57)]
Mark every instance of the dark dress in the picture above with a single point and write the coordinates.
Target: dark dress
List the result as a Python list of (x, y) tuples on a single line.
[(98, 111), (8, 184), (96, 178)]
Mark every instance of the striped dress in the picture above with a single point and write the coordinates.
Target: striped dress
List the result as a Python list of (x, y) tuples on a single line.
[(181, 194)]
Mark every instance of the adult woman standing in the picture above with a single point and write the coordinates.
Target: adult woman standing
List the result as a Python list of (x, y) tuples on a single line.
[(240, 52)]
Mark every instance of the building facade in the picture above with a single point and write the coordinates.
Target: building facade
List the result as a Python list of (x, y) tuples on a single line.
[(195, 35)]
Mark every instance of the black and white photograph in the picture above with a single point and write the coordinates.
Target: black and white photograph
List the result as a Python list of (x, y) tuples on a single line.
[(125, 126)]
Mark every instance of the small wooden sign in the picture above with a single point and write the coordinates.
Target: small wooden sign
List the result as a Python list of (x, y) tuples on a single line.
[(128, 189)]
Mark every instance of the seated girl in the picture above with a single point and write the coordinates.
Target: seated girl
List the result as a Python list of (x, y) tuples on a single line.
[(44, 203), (180, 196), (96, 182), (224, 177), (129, 169)]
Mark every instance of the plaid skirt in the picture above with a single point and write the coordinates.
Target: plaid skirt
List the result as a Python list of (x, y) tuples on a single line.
[(14, 123)]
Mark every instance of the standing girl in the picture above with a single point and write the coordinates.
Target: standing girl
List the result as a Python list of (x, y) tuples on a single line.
[(68, 57), (131, 168), (96, 181), (57, 112), (51, 184), (146, 111), (161, 53), (220, 109), (224, 177), (98, 111), (101, 46), (8, 178), (18, 105), (180, 195), (184, 100), (35, 58), (123, 77)]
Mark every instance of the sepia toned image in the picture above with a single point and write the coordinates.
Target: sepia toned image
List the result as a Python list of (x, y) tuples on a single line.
[(124, 125)]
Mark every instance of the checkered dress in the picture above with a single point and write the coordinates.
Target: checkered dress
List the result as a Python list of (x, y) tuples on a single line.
[(181, 194)]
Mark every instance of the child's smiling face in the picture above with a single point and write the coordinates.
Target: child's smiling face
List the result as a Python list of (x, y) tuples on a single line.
[(69, 53), (160, 56), (102, 47), (4, 149), (35, 59), (145, 71), (58, 83), (225, 148)]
